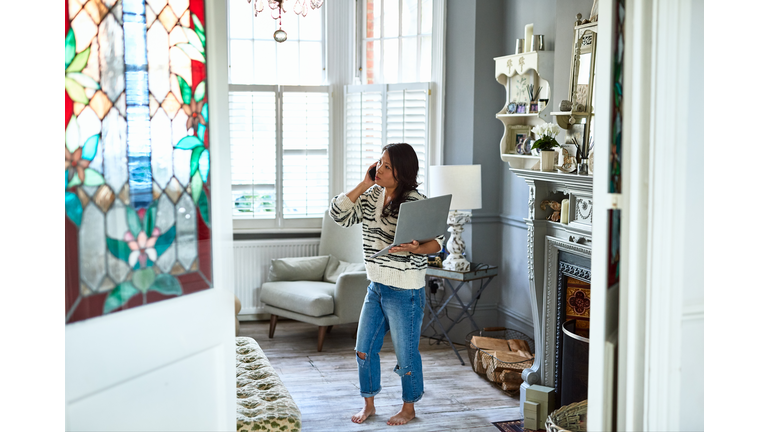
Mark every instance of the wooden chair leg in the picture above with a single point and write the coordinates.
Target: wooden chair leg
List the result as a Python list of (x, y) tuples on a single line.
[(329, 329), (321, 337), (272, 325)]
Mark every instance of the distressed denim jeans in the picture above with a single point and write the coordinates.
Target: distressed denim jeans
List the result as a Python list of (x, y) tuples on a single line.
[(399, 311)]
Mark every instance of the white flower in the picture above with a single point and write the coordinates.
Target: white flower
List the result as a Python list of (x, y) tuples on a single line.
[(546, 130)]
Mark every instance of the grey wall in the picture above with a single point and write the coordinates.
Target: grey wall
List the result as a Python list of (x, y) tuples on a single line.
[(478, 31)]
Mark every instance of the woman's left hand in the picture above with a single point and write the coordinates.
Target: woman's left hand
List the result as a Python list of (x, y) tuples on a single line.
[(405, 247)]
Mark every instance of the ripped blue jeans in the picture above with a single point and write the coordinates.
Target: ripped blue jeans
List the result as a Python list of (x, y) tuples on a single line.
[(399, 311)]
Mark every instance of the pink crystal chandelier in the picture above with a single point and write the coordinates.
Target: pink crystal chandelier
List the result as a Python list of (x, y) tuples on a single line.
[(279, 6)]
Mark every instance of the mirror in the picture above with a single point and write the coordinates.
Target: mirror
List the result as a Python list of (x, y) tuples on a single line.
[(582, 79)]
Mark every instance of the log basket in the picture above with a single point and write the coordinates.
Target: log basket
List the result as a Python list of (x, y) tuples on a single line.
[(488, 366), (570, 418)]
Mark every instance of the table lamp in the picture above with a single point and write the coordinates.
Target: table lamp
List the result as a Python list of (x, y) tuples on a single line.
[(464, 183)]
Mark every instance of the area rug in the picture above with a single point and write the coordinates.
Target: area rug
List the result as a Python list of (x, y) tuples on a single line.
[(511, 426)]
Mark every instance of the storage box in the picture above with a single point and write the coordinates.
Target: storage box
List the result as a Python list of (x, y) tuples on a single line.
[(531, 415), (545, 397)]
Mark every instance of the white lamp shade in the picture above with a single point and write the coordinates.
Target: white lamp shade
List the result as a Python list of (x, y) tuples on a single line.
[(461, 181)]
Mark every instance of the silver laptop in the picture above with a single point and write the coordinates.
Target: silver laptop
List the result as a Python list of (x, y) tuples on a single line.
[(421, 220)]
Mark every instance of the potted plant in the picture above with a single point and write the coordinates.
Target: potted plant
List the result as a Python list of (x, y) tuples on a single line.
[(546, 144)]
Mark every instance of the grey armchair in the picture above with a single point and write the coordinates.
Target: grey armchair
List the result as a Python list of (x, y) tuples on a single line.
[(319, 290)]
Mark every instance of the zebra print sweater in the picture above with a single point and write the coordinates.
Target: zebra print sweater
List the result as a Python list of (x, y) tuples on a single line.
[(404, 270)]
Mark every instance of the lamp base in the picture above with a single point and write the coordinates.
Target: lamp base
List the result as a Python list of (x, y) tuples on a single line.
[(455, 245), (456, 262)]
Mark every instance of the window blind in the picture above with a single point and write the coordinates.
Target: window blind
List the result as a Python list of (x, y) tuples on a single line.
[(253, 142), (363, 131), (306, 139), (300, 187), (376, 115)]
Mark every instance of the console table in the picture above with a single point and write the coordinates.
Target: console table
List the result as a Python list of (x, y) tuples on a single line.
[(483, 273)]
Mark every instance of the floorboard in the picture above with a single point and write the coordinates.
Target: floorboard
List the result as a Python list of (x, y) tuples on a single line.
[(325, 386)]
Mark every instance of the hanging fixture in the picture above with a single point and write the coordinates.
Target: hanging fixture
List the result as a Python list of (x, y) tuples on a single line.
[(279, 6)]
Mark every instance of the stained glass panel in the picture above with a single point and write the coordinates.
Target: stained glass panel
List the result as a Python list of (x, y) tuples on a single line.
[(137, 164), (614, 216)]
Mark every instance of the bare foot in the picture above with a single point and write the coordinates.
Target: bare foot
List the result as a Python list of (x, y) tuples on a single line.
[(364, 413), (406, 414)]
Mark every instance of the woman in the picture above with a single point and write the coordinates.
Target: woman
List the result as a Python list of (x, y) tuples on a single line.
[(396, 298)]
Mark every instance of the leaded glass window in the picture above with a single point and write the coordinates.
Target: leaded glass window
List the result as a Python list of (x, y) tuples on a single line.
[(137, 161)]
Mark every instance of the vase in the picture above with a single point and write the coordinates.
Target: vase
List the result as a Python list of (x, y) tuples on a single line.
[(547, 158)]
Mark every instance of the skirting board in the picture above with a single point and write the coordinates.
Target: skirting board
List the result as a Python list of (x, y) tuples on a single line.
[(506, 317), (514, 320)]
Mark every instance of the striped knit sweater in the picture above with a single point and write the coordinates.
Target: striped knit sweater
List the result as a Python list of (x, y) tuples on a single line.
[(404, 270)]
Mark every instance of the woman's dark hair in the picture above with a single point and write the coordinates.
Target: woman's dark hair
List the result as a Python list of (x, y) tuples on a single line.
[(405, 166)]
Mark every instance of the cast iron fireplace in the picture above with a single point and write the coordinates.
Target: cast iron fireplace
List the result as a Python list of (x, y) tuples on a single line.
[(572, 324)]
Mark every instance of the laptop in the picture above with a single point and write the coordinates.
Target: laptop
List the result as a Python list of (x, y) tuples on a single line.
[(421, 220)]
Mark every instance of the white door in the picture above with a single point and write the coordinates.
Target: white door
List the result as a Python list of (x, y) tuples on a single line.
[(168, 365)]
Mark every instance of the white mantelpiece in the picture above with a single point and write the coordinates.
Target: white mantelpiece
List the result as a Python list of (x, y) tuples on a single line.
[(545, 240)]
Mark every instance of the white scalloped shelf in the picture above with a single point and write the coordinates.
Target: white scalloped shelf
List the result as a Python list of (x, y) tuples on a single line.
[(516, 115), (517, 161), (562, 117)]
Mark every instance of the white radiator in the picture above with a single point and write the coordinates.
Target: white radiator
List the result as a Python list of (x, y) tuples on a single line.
[(252, 259)]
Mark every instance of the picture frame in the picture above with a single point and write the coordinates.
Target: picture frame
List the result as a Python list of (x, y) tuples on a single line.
[(521, 108), (517, 138), (512, 108)]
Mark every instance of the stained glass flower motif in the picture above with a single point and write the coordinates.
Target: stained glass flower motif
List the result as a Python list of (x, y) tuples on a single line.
[(133, 214)]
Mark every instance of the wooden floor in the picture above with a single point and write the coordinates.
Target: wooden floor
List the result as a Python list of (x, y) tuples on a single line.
[(325, 385)]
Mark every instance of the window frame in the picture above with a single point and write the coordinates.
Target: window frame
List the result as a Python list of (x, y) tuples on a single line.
[(280, 222), (341, 30), (361, 39)]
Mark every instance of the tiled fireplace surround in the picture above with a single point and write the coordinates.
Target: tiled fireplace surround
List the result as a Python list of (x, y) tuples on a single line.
[(546, 241)]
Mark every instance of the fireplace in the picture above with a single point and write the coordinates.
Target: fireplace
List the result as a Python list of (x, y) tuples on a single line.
[(572, 323), (559, 262)]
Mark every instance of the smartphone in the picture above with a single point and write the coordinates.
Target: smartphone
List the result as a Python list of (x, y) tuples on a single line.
[(372, 173)]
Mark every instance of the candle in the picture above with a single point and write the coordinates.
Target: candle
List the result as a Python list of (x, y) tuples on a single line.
[(565, 208), (528, 37)]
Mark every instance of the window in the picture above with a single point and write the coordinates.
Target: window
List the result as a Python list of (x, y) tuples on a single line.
[(396, 42), (391, 105), (279, 119)]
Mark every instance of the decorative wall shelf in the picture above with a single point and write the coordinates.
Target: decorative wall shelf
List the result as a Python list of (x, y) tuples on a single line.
[(525, 162), (563, 117), (515, 72)]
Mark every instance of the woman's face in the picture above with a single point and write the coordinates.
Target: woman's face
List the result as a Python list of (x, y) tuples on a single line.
[(385, 173)]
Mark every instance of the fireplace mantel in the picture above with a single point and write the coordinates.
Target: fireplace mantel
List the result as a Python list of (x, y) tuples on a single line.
[(545, 240)]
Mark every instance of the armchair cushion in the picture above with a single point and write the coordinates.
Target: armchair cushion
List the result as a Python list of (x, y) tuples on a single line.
[(305, 297), (336, 267), (298, 269)]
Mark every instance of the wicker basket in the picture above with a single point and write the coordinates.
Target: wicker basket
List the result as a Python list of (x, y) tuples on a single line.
[(488, 366), (570, 418)]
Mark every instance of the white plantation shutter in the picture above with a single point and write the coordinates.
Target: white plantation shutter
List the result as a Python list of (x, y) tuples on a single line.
[(377, 115), (407, 120), (253, 140), (364, 108), (279, 140), (306, 140)]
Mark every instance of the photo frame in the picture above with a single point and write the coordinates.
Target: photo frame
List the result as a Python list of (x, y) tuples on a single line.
[(518, 137), (521, 108)]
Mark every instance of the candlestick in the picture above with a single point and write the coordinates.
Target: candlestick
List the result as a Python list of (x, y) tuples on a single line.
[(565, 208), (528, 37)]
